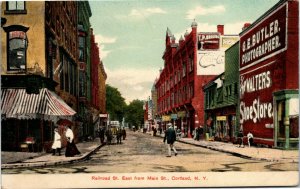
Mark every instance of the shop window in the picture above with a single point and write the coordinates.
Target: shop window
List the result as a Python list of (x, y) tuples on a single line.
[(15, 7), (17, 47), (294, 117), (280, 118)]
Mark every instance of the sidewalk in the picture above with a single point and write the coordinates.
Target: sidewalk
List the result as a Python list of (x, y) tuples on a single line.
[(26, 159), (256, 153)]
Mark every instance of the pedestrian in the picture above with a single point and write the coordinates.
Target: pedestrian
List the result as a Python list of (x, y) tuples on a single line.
[(240, 138), (170, 136), (119, 136), (154, 131), (56, 142), (101, 134), (250, 139), (160, 130), (71, 149), (124, 133), (108, 134), (197, 133)]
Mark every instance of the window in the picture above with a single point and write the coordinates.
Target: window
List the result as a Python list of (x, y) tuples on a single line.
[(17, 47), (191, 64), (183, 70), (15, 7), (81, 48)]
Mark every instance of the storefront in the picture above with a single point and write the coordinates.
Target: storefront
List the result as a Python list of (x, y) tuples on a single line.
[(269, 77), (30, 118)]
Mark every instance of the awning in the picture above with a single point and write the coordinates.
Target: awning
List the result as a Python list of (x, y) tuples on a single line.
[(47, 105)]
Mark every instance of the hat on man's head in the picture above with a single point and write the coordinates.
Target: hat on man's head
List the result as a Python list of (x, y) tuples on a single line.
[(169, 125)]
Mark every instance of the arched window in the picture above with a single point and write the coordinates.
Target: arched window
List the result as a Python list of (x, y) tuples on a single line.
[(17, 44)]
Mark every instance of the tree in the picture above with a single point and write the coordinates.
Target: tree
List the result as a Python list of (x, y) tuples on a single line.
[(134, 114), (115, 103)]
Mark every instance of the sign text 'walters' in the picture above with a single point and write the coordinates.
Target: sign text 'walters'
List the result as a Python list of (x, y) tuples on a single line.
[(265, 39)]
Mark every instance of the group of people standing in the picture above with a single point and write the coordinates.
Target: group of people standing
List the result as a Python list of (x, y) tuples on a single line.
[(71, 149), (119, 133)]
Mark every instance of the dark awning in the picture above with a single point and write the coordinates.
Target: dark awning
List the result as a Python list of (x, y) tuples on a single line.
[(47, 105)]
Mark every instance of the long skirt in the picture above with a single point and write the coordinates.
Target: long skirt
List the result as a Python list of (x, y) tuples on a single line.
[(71, 149)]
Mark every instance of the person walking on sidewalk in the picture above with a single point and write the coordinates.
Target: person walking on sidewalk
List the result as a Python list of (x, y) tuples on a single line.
[(56, 142), (170, 136), (71, 149)]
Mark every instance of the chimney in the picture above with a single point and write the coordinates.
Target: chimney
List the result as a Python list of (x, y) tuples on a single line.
[(220, 29), (246, 25)]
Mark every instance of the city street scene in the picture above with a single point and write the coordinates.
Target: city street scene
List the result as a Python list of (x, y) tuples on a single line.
[(125, 93)]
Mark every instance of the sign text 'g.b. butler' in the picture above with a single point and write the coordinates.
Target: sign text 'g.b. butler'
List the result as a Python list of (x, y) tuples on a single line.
[(259, 47), (264, 40)]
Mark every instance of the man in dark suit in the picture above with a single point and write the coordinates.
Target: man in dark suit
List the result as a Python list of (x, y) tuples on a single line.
[(170, 136)]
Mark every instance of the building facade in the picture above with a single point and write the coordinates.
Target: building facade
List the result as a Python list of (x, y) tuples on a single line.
[(35, 53), (269, 75), (188, 66), (84, 60), (221, 100)]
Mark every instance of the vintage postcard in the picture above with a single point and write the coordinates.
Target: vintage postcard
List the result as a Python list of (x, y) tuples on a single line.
[(149, 94)]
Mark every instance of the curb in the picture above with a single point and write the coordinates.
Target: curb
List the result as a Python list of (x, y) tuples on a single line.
[(43, 164), (226, 151)]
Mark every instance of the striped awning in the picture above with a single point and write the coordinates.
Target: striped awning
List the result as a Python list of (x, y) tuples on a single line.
[(47, 105)]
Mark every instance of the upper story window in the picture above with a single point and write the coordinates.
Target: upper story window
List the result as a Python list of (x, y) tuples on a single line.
[(81, 48), (15, 7), (191, 64), (183, 69), (16, 47)]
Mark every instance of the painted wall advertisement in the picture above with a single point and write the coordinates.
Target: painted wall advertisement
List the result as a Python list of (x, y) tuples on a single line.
[(257, 83), (265, 40)]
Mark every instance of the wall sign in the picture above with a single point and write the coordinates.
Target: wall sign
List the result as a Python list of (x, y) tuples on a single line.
[(265, 39)]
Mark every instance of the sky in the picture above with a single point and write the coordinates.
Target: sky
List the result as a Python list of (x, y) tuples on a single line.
[(131, 33)]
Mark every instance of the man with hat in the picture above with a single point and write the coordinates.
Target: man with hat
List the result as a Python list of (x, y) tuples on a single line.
[(170, 136)]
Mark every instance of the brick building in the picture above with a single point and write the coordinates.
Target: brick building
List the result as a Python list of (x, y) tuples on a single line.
[(269, 75), (39, 55), (187, 68)]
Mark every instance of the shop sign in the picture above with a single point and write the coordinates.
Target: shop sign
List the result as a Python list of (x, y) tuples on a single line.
[(209, 41), (256, 101), (103, 115), (228, 41), (265, 39), (166, 118), (181, 114), (173, 116), (221, 118)]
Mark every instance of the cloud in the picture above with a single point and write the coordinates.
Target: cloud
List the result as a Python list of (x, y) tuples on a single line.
[(103, 53), (100, 39), (146, 12), (200, 10), (140, 14), (132, 83)]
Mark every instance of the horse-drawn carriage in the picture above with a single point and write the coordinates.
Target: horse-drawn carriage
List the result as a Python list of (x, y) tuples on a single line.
[(113, 133)]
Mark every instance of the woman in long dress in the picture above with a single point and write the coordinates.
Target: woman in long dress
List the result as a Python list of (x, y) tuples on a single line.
[(71, 149)]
